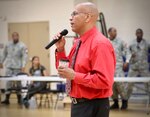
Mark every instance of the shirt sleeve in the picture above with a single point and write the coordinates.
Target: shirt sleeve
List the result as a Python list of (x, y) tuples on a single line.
[(42, 69), (4, 55), (103, 66), (58, 56), (126, 51), (24, 56), (62, 55)]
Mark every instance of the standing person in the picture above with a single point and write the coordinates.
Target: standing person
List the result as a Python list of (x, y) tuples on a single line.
[(91, 73), (36, 70), (119, 88), (15, 57), (139, 65)]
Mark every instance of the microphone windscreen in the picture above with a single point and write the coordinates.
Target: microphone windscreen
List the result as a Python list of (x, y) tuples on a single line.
[(64, 32)]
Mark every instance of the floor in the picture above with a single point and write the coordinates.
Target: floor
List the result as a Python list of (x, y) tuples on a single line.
[(15, 110)]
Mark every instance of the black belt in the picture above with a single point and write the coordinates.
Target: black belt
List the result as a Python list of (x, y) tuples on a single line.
[(80, 100)]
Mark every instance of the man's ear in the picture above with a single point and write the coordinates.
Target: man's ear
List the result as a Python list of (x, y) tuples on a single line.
[(88, 18)]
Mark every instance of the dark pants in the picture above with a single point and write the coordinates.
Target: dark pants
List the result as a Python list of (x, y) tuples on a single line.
[(35, 88), (91, 108)]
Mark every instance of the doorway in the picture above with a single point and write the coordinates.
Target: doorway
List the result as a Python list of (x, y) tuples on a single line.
[(35, 35)]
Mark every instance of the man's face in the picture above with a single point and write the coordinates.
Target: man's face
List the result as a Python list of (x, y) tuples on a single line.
[(15, 37), (77, 20), (139, 34), (113, 33)]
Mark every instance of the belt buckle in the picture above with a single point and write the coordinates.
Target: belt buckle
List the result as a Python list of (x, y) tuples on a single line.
[(74, 101)]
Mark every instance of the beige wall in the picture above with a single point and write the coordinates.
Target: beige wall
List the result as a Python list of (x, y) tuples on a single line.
[(125, 15), (56, 12)]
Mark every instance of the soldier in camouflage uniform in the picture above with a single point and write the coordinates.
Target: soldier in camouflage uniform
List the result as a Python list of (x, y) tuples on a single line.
[(119, 88), (15, 57), (139, 61)]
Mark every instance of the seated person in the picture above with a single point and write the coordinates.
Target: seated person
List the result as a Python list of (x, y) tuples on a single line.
[(36, 70)]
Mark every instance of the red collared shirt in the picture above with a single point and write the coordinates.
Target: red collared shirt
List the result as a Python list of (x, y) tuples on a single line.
[(94, 67)]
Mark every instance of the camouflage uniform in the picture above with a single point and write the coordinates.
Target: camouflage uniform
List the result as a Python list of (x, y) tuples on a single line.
[(139, 61), (15, 57), (120, 88)]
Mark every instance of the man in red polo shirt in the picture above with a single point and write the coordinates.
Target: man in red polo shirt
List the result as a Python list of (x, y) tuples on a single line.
[(92, 65)]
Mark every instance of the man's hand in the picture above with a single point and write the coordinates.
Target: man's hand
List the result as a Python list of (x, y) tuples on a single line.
[(125, 66), (66, 72), (133, 55), (1, 65), (60, 45)]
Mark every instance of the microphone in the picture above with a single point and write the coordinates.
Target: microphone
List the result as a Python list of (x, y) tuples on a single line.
[(62, 33)]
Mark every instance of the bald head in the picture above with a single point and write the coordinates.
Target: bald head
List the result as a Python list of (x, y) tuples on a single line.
[(89, 8), (112, 31), (15, 33), (84, 17)]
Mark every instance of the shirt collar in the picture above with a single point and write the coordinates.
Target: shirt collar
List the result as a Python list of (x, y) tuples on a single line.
[(114, 40), (87, 34), (14, 43), (142, 41)]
